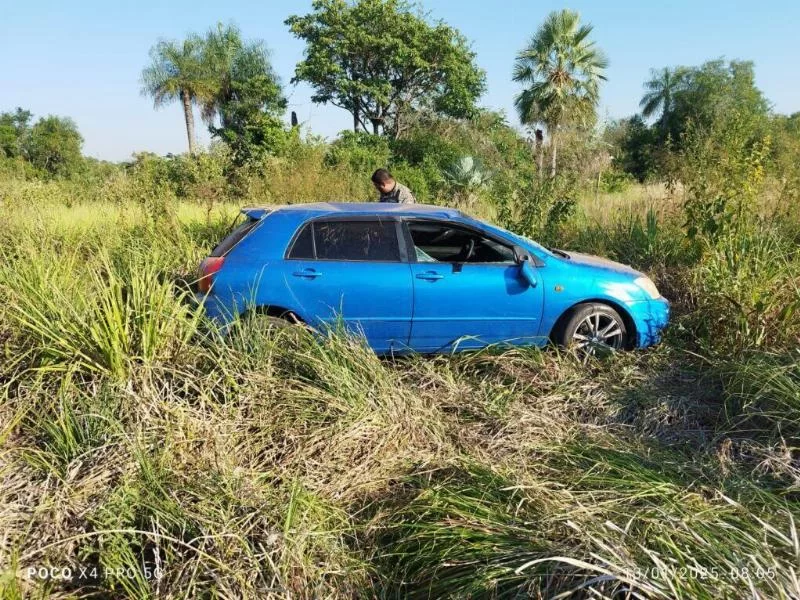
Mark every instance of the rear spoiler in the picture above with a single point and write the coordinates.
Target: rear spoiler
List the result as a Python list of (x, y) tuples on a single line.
[(257, 213)]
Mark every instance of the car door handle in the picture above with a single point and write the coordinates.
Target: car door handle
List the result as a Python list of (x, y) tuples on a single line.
[(430, 276), (308, 273)]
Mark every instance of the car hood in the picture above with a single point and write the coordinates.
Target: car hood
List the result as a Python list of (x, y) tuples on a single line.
[(588, 260)]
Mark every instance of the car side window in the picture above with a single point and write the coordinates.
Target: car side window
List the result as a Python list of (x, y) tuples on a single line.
[(303, 246), (441, 242), (348, 240)]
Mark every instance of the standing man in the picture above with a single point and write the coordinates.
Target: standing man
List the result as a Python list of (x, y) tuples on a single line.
[(390, 190)]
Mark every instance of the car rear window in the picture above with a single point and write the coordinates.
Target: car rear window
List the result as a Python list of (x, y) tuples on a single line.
[(348, 240), (303, 246), (234, 237)]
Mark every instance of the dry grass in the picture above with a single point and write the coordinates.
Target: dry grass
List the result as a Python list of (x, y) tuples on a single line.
[(607, 208)]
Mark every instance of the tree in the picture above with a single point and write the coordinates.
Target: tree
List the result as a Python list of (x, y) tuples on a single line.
[(717, 87), (663, 89), (14, 128), (177, 72), (247, 95), (379, 61), (632, 144), (562, 70), (701, 95), (54, 146), (691, 102)]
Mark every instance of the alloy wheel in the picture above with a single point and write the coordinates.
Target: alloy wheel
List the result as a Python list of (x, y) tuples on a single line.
[(598, 333)]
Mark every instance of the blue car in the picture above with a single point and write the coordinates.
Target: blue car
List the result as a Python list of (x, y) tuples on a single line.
[(411, 277)]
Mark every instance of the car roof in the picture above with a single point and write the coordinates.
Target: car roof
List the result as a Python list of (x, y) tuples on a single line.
[(356, 208)]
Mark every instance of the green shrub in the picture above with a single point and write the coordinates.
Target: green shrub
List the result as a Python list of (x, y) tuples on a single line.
[(362, 152), (16, 168), (722, 169), (534, 207), (615, 182), (747, 292), (426, 146), (422, 180), (304, 177)]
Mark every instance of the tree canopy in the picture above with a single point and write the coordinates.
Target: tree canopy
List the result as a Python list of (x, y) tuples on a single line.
[(562, 70), (663, 89), (231, 80), (247, 98), (702, 94), (14, 128), (690, 103), (379, 60), (54, 146)]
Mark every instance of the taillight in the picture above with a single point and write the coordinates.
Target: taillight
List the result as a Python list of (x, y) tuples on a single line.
[(208, 268)]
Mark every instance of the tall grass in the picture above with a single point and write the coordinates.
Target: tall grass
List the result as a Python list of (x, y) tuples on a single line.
[(95, 315), (749, 285), (178, 463)]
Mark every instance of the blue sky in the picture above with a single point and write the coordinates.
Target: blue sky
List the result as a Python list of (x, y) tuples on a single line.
[(83, 59)]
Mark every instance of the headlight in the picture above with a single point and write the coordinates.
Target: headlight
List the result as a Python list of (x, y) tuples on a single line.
[(648, 286)]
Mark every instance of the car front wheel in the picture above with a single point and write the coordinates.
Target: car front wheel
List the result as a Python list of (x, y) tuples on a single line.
[(593, 329)]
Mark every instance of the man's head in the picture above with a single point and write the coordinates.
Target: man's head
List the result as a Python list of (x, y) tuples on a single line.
[(383, 181)]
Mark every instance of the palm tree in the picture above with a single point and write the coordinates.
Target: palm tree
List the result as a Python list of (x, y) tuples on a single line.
[(562, 70), (662, 89), (177, 72), (231, 61), (223, 47)]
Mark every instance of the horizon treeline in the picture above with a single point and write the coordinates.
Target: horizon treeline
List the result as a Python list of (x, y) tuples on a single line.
[(412, 86)]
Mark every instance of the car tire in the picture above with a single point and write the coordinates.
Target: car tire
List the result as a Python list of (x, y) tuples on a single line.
[(593, 329), (287, 324)]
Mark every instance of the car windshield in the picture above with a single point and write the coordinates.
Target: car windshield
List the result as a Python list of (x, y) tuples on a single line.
[(506, 233)]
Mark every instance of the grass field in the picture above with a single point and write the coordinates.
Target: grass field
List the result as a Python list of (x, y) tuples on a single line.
[(142, 455)]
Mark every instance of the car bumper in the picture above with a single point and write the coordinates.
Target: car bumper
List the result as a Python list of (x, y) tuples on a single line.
[(650, 318), (215, 310)]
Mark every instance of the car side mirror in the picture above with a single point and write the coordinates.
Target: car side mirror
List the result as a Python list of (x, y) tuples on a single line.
[(526, 263)]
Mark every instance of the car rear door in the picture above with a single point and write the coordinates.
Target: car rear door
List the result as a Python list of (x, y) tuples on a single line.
[(468, 301), (354, 269)]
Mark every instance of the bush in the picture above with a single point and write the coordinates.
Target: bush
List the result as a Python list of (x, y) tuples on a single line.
[(304, 176), (422, 180), (722, 170), (537, 207), (361, 152), (421, 146), (615, 182)]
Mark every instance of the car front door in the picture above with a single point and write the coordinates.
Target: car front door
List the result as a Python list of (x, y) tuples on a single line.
[(354, 270), (468, 289)]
